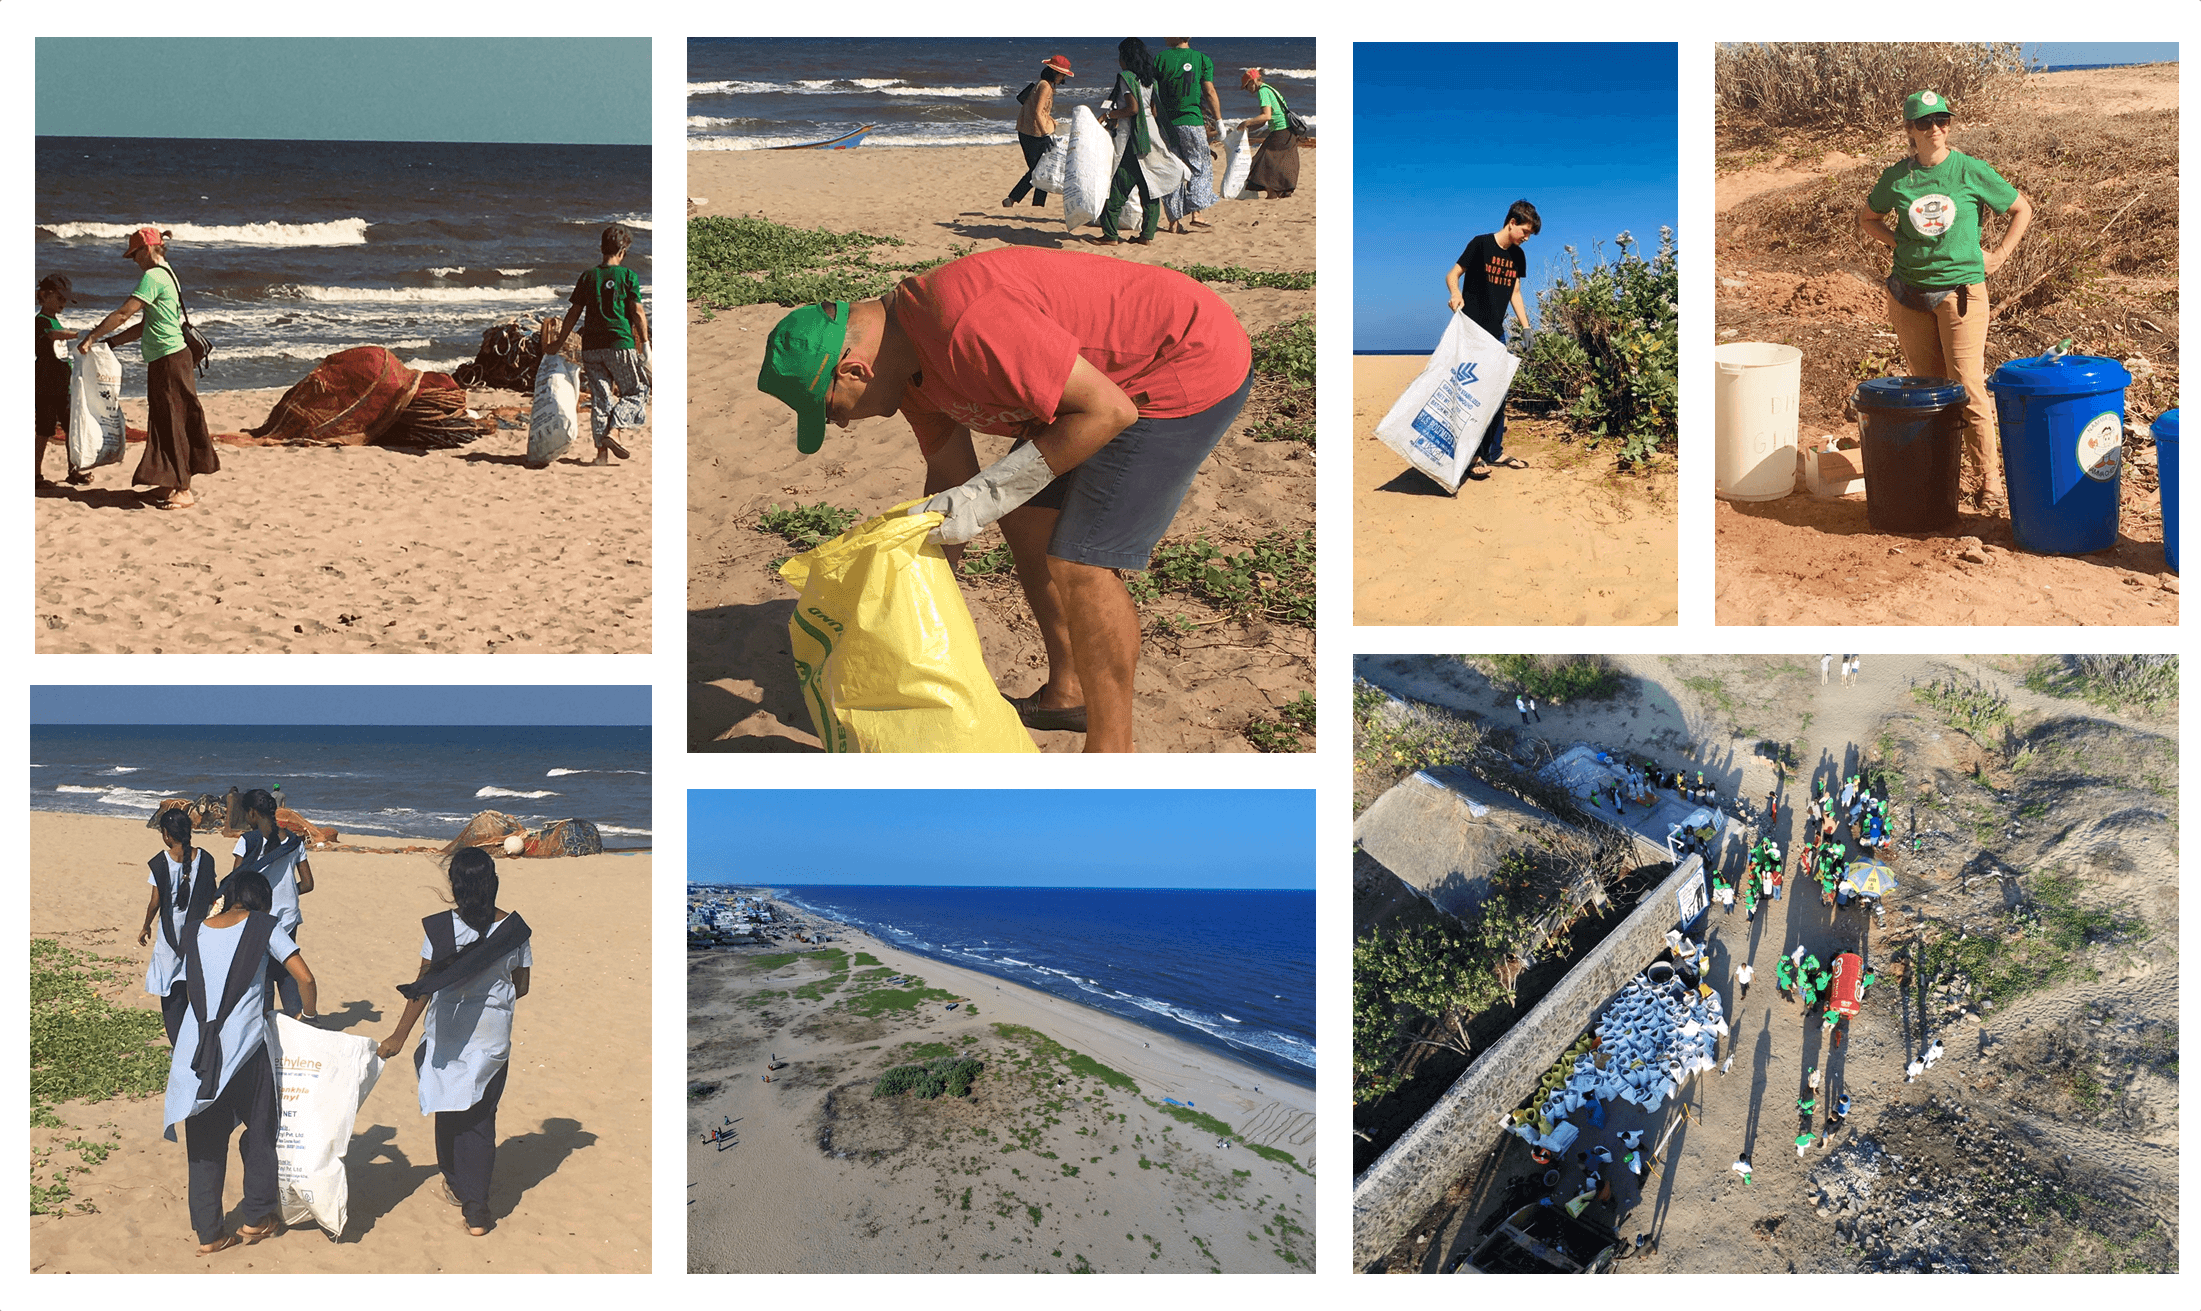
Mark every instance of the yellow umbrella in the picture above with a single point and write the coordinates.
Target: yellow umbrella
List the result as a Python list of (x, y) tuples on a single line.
[(1871, 877)]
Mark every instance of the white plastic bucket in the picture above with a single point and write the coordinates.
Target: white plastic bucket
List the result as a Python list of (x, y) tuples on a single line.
[(1754, 419)]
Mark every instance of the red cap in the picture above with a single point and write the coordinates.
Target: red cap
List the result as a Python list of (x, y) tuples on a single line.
[(142, 238), (1060, 63)]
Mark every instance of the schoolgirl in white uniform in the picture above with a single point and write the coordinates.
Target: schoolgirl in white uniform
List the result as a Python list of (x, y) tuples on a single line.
[(219, 1076), (475, 963), (183, 893), (279, 857)]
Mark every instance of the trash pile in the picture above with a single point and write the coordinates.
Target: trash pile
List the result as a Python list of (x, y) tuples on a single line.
[(1653, 1035)]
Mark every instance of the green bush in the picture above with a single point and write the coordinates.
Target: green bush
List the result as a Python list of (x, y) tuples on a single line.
[(2110, 681), (1975, 709), (1559, 679), (945, 1074), (82, 1046), (1607, 348)]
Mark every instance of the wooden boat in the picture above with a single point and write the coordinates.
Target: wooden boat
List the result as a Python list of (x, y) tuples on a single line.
[(845, 141)]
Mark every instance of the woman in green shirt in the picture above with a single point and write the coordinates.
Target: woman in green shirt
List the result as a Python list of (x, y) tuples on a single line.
[(1276, 168), (176, 441), (1937, 295)]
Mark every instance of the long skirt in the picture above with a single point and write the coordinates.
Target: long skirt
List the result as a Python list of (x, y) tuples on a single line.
[(1276, 168), (176, 443)]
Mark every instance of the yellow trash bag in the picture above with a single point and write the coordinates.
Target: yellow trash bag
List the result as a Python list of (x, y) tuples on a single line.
[(885, 647)]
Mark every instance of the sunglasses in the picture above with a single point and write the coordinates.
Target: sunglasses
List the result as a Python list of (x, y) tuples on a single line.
[(1931, 121)]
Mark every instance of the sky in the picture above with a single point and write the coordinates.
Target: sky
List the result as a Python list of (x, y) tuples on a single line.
[(1446, 137), (2102, 52), (593, 91), (1038, 838), (592, 706)]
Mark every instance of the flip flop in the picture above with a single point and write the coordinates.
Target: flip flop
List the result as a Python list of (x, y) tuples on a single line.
[(249, 1235), (222, 1244), (1512, 462), (170, 502), (1103, 241), (1060, 719)]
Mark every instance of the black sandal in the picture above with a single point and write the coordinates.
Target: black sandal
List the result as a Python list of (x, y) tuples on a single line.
[(1058, 719)]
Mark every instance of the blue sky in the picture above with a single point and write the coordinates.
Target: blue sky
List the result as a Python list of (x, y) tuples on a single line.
[(582, 91), (1049, 837), (2102, 52), (1445, 137), (341, 705)]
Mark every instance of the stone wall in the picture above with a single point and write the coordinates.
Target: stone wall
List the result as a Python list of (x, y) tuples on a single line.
[(1409, 1178)]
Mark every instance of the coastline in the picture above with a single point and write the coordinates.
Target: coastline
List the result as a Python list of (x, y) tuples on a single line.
[(852, 1176), (571, 1192), (347, 839), (1158, 1025)]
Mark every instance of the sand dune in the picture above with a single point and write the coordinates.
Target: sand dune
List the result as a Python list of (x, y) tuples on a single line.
[(572, 1186)]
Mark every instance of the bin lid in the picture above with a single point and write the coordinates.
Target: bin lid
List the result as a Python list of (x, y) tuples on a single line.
[(2165, 427), (2061, 375), (1909, 393)]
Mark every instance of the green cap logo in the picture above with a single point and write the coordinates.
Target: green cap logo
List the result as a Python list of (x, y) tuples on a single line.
[(798, 365)]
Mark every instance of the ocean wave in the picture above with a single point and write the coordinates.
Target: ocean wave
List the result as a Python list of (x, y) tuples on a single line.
[(513, 273), (630, 220), (509, 792), (128, 798), (1280, 1045), (623, 832), (122, 769), (561, 773), (875, 139), (1303, 74), (450, 272), (338, 232), (829, 86), (283, 350), (419, 365), (407, 295)]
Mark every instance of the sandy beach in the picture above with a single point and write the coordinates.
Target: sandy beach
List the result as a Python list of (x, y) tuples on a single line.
[(1052, 1163), (572, 1185), (1564, 541), (1196, 690), (353, 549)]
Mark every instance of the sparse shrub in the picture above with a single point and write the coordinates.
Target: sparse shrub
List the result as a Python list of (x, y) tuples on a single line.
[(1558, 679), (1607, 348), (1764, 87)]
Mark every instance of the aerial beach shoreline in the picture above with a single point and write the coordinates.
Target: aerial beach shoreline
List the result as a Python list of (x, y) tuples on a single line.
[(574, 1124), (853, 1176)]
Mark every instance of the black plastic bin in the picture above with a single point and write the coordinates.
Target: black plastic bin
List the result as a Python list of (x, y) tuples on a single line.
[(1911, 431)]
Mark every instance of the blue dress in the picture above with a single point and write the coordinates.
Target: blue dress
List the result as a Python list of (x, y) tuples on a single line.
[(469, 1034), (243, 1033)]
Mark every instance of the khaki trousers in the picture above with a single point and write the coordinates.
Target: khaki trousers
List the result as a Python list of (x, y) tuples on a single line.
[(1946, 344)]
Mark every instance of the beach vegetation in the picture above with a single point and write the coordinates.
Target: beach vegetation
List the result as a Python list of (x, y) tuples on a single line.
[(1000, 561), (1294, 722), (2113, 682), (83, 1047), (1273, 279), (804, 527), (947, 1075), (1973, 708), (864, 959), (777, 960), (1272, 578), (1606, 351), (736, 260), (1281, 407), (874, 1002), (1557, 679), (1767, 88)]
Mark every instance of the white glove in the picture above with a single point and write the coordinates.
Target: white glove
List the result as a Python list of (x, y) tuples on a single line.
[(999, 488)]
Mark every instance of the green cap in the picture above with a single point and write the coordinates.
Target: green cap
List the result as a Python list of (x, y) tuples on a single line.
[(798, 365), (1922, 103)]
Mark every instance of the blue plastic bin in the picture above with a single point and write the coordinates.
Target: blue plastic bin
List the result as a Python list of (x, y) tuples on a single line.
[(1911, 433), (2166, 466), (2063, 445)]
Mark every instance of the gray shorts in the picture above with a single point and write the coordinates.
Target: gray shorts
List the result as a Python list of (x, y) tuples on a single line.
[(629, 407), (1117, 504)]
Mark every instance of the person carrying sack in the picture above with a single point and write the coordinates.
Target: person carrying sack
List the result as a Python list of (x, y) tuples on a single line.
[(177, 446), (279, 857), (1138, 154), (219, 1076), (476, 962), (183, 893)]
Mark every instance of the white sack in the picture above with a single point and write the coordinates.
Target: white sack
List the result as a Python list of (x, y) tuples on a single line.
[(1089, 158), (1439, 421), (1230, 184), (320, 1080), (95, 408), (553, 422), (1047, 174)]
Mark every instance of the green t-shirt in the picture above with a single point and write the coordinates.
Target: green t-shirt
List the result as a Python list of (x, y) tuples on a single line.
[(1183, 74), (1937, 217), (1274, 103), (163, 334), (608, 294), (46, 355)]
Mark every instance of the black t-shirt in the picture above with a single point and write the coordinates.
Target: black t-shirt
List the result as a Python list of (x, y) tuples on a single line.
[(1487, 274)]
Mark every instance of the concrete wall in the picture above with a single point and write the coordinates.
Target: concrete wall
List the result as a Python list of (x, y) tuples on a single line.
[(1443, 832), (1455, 1133)]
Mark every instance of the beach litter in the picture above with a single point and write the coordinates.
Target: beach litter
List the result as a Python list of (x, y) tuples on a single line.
[(366, 396), (95, 408), (1652, 1036), (1438, 422), (554, 423)]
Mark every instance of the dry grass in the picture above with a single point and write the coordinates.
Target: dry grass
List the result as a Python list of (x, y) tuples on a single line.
[(1764, 89)]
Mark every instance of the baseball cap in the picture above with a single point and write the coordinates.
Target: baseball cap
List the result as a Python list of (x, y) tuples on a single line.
[(798, 365), (147, 236), (58, 284), (1922, 103)]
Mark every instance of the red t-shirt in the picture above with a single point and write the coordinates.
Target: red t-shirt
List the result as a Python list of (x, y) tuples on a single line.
[(997, 333)]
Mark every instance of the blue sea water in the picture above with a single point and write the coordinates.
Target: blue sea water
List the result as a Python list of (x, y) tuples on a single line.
[(749, 93), (1229, 970), (368, 781), (289, 251)]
